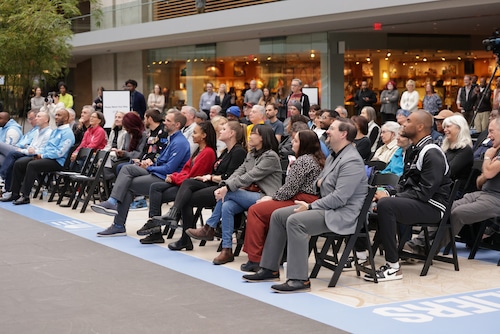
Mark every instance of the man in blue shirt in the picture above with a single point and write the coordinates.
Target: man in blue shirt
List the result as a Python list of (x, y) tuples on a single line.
[(50, 158), (135, 179), (25, 140)]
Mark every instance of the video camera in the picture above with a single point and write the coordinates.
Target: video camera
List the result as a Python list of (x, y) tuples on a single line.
[(493, 43)]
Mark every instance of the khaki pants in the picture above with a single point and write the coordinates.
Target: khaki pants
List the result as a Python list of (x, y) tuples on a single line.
[(481, 121)]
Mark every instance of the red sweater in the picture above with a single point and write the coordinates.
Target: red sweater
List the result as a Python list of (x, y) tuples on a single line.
[(93, 138), (202, 164)]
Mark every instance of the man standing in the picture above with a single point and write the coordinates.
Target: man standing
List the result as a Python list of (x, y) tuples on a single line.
[(482, 109), (207, 99), (50, 158), (190, 114), (297, 96), (423, 192), (343, 186), (277, 125), (364, 97), (483, 204), (465, 100), (135, 179), (137, 101), (253, 94)]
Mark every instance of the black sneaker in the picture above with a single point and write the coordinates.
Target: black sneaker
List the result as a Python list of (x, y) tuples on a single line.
[(291, 286), (150, 227), (263, 275), (350, 265), (152, 239), (250, 266)]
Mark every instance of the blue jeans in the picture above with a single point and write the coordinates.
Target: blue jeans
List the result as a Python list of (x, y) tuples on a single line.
[(235, 202)]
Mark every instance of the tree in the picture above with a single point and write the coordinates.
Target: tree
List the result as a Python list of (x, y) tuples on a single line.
[(34, 39)]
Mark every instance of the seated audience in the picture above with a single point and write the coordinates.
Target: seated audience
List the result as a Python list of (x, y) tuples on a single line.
[(343, 186), (50, 159), (422, 195), (276, 124), (10, 130), (402, 116), (137, 178), (299, 186), (95, 137), (199, 191), (258, 176), (396, 164), (25, 140)]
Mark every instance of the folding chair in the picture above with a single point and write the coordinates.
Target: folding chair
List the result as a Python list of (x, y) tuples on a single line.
[(480, 243), (431, 252), (86, 185), (334, 241), (240, 224), (62, 177)]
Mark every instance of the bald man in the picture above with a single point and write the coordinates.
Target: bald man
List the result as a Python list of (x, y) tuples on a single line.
[(49, 159), (424, 191)]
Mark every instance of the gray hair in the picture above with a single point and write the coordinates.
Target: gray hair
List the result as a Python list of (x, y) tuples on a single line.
[(392, 127), (342, 111), (463, 138)]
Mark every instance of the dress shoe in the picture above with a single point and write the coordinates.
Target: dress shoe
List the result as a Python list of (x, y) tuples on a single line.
[(155, 238), (183, 242), (225, 256), (291, 286), (22, 200), (10, 198), (203, 233), (263, 275), (250, 266)]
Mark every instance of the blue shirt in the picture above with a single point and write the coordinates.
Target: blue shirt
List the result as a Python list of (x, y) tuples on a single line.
[(26, 140), (173, 157), (60, 141)]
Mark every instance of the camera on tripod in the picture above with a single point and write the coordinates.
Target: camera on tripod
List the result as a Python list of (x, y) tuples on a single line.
[(493, 43)]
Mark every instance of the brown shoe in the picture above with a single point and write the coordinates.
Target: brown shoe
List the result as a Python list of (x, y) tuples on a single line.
[(203, 233), (225, 256)]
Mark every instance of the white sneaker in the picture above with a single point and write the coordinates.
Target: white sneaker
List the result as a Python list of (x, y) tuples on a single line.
[(386, 273), (7, 194)]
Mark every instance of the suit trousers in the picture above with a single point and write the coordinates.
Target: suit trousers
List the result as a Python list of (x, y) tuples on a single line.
[(407, 211), (27, 169), (258, 219), (297, 229)]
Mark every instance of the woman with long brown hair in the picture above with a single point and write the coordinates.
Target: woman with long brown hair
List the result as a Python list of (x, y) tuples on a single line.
[(299, 186)]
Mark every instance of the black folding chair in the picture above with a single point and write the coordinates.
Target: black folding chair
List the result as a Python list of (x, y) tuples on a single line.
[(334, 241), (443, 228)]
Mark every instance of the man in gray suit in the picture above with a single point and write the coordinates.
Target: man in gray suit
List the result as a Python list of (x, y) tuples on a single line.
[(343, 186)]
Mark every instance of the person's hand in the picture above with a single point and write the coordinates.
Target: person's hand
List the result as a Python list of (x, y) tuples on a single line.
[(490, 153), (220, 193), (168, 179), (204, 178), (73, 157), (302, 206), (264, 199), (31, 150), (119, 153)]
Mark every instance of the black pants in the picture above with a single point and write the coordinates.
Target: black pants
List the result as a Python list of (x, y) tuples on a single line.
[(26, 170), (159, 193), (394, 210), (193, 193)]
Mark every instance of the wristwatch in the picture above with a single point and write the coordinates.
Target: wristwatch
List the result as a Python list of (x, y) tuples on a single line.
[(309, 207)]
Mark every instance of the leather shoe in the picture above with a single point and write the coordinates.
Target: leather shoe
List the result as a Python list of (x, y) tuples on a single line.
[(263, 275), (183, 242), (203, 233), (291, 286), (10, 198), (150, 227), (155, 238), (22, 200), (225, 256), (250, 266)]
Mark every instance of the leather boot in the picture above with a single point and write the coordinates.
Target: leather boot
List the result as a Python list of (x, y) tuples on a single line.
[(225, 256), (203, 233), (183, 242)]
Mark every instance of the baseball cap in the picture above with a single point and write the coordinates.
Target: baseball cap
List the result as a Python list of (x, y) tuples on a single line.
[(234, 110)]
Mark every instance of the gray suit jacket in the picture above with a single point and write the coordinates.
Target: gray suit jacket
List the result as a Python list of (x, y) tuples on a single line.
[(343, 190)]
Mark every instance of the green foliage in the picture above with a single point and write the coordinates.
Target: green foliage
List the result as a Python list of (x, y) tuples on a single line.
[(34, 44)]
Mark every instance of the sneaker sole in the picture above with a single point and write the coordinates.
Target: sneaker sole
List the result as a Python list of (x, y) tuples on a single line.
[(162, 241), (121, 234), (294, 291), (390, 278), (277, 279), (139, 209), (103, 211)]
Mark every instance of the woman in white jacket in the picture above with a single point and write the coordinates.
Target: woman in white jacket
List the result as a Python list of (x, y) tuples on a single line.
[(409, 99)]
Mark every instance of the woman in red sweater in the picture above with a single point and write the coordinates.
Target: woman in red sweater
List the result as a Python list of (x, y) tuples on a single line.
[(95, 137), (201, 163)]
